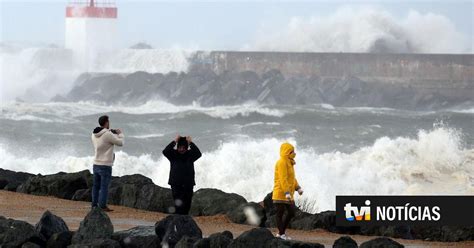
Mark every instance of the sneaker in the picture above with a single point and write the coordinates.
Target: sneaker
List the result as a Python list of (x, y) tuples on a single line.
[(284, 237), (107, 209)]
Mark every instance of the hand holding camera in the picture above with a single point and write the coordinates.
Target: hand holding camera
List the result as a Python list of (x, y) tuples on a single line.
[(116, 131)]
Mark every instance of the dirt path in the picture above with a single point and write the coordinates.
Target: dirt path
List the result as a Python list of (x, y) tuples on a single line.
[(30, 208)]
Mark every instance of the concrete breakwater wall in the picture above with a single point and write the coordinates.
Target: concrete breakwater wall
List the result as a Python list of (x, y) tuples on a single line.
[(436, 69)]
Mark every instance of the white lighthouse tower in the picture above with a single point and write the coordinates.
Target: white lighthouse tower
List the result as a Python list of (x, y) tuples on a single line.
[(91, 27)]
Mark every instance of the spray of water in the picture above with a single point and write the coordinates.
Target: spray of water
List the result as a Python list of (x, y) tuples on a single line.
[(365, 29), (435, 162)]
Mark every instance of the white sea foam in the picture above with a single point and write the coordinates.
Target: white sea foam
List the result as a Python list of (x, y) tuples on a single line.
[(364, 29), (147, 136), (432, 163), (36, 74), (66, 112)]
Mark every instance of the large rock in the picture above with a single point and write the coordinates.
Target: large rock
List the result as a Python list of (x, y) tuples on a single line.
[(220, 240), (30, 245), (293, 244), (96, 225), (83, 195), (444, 233), (50, 224), (10, 180), (154, 198), (59, 240), (186, 242), (323, 220), (174, 227), (403, 232), (456, 234), (208, 202), (345, 242), (257, 237), (125, 190), (62, 185), (216, 240), (381, 243), (137, 237), (135, 191), (14, 233), (97, 243), (203, 243), (248, 213)]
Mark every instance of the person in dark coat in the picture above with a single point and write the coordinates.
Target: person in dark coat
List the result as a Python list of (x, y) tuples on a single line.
[(181, 177)]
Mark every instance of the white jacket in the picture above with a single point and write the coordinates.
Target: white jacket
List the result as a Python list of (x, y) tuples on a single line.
[(104, 141)]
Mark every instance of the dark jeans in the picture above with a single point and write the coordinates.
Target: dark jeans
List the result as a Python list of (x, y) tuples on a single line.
[(282, 223), (100, 188), (182, 196)]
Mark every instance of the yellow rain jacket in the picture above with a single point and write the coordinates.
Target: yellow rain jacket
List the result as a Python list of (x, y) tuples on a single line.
[(285, 180)]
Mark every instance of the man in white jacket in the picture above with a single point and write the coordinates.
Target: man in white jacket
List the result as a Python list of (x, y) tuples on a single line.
[(104, 140)]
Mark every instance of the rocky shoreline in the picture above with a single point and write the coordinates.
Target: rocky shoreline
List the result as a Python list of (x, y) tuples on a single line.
[(139, 192), (96, 230)]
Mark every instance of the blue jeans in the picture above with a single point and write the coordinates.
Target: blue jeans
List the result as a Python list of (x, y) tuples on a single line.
[(100, 187)]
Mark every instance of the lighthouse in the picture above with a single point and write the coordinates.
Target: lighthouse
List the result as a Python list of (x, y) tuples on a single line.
[(91, 27)]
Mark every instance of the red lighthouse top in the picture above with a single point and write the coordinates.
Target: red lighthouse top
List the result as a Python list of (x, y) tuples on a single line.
[(91, 9)]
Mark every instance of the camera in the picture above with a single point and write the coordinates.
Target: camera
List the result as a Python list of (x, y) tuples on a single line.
[(114, 131)]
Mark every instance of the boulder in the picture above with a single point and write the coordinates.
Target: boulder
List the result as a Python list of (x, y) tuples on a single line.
[(10, 180), (293, 244), (97, 243), (443, 233), (345, 242), (456, 234), (248, 213), (381, 243), (14, 233), (186, 242), (125, 190), (268, 204), (137, 237), (324, 220), (59, 240), (174, 227), (30, 245), (50, 224), (219, 240), (207, 202), (83, 195), (403, 232), (62, 185), (257, 237), (154, 198), (96, 225), (204, 243)]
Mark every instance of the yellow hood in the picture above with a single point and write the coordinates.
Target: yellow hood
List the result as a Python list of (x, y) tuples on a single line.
[(286, 149)]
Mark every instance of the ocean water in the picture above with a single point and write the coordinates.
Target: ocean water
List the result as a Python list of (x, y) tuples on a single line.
[(339, 150)]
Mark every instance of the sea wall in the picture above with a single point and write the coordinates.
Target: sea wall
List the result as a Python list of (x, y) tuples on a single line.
[(437, 69)]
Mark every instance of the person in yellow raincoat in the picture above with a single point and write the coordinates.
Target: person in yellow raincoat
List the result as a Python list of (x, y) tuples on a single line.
[(284, 187)]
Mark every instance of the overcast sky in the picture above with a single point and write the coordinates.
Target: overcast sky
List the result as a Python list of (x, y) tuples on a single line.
[(212, 24)]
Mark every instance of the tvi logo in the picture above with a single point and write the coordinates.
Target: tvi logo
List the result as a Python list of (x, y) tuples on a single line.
[(362, 214)]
